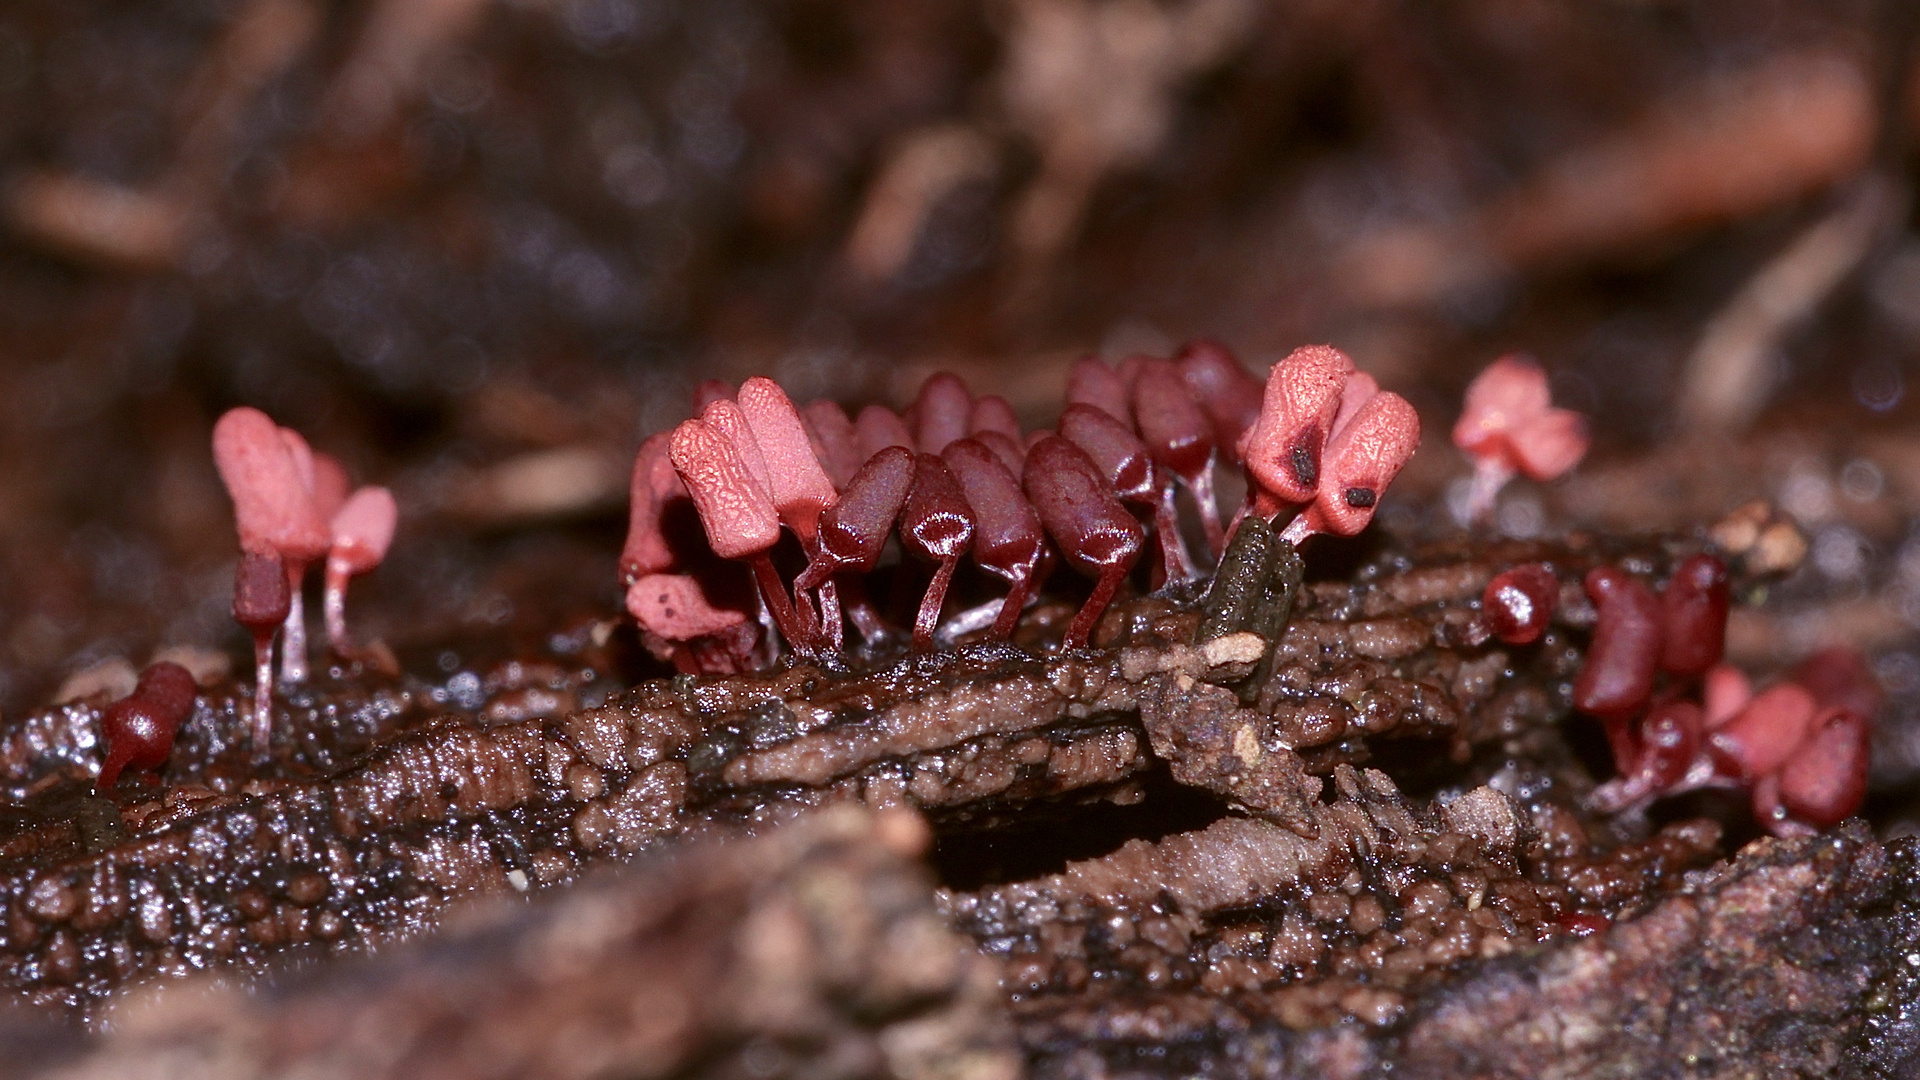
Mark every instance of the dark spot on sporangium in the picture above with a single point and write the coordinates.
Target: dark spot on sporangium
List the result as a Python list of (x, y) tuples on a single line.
[(1305, 468), (1359, 496)]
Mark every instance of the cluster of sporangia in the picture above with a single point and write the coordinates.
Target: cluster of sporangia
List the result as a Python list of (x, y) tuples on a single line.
[(293, 507), (955, 477), (1676, 718)]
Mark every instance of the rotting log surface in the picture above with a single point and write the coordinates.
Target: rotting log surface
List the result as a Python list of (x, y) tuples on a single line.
[(813, 951), (1777, 963), (1309, 933), (1351, 914), (212, 871)]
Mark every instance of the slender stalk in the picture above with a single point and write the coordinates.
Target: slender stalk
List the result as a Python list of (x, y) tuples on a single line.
[(1011, 607), (931, 603), (1297, 530), (1626, 756), (962, 623), (1489, 476), (1096, 605), (1175, 562), (859, 607), (334, 604), (1239, 514), (262, 695), (831, 621), (774, 594), (1204, 496), (293, 649)]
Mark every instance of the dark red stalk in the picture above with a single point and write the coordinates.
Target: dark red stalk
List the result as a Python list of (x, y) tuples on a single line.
[(1176, 562), (773, 591)]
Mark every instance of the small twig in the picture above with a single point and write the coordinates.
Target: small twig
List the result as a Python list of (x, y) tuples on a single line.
[(1727, 378), (925, 168)]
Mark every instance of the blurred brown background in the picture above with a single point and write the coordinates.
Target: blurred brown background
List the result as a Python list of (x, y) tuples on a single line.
[(479, 248)]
